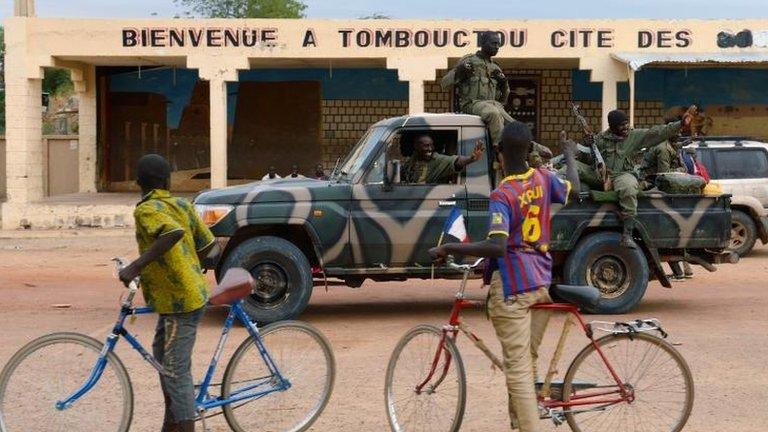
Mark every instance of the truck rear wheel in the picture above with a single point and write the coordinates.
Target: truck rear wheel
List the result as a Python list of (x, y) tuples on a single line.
[(621, 274), (283, 278), (743, 233)]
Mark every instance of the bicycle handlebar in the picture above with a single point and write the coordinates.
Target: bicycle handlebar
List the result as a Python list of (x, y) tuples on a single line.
[(450, 262), (133, 286)]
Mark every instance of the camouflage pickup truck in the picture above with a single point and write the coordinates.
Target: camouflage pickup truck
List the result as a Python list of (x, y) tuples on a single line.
[(363, 223)]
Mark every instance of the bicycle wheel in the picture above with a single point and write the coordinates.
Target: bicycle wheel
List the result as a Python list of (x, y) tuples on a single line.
[(439, 406), (303, 356), (50, 369), (651, 368)]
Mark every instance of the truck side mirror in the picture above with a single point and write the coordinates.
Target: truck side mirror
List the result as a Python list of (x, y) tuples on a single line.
[(392, 172)]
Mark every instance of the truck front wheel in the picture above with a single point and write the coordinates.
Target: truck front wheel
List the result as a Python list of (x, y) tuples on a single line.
[(621, 274), (282, 274)]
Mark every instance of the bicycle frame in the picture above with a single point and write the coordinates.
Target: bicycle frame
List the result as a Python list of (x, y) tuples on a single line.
[(600, 397), (259, 388)]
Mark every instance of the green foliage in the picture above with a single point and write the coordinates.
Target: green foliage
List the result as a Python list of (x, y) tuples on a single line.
[(376, 15), (246, 8), (57, 81)]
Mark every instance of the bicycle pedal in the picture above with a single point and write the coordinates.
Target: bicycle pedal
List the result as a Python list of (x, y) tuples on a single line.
[(558, 417)]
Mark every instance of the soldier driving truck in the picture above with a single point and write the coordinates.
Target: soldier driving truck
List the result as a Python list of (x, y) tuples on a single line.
[(365, 222)]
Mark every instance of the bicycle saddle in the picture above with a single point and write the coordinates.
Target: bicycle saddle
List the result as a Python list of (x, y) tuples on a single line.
[(583, 296), (236, 284)]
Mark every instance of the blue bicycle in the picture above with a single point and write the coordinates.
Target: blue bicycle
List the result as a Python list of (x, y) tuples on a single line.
[(279, 379)]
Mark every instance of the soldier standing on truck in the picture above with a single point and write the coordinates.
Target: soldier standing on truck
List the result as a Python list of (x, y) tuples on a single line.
[(618, 145), (427, 167), (520, 263), (483, 89)]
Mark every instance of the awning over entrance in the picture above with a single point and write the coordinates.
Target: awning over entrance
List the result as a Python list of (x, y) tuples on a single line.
[(637, 60)]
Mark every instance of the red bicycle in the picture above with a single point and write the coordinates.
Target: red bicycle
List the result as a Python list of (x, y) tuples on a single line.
[(627, 380)]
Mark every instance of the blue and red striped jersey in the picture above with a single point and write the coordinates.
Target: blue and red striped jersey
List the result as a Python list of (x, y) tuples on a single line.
[(519, 209)]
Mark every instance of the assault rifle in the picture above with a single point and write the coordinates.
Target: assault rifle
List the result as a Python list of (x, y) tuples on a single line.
[(590, 139)]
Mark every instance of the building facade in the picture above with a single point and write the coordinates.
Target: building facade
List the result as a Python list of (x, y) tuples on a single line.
[(225, 99)]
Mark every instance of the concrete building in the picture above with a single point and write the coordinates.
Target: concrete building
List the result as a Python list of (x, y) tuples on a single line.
[(224, 99)]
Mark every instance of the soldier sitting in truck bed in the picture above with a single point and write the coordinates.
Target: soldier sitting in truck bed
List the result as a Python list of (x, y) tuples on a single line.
[(665, 157), (618, 146), (425, 166)]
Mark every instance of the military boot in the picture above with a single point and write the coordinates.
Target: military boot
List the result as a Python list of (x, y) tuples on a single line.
[(626, 235)]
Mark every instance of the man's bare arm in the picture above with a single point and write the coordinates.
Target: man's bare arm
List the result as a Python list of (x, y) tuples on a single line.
[(163, 244), (492, 247), (571, 173), (477, 153)]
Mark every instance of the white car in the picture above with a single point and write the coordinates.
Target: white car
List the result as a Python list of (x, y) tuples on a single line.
[(740, 166)]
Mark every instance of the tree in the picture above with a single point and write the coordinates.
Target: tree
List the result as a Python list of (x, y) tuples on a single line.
[(376, 15), (246, 8), (57, 81)]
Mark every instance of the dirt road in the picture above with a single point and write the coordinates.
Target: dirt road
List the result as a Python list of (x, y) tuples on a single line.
[(719, 319)]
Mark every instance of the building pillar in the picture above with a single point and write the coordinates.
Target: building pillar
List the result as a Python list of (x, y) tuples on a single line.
[(218, 121), (23, 118), (25, 8), (218, 72), (87, 113), (610, 72), (415, 96), (416, 70), (23, 138)]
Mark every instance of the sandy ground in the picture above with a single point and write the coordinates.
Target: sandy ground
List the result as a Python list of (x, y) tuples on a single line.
[(718, 319)]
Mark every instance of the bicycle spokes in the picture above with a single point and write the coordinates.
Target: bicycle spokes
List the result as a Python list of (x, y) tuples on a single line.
[(425, 382), (655, 392)]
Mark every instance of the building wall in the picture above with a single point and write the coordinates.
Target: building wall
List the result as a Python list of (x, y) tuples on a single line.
[(345, 121)]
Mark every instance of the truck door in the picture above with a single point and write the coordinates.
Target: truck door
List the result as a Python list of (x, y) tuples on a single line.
[(393, 227), (479, 183)]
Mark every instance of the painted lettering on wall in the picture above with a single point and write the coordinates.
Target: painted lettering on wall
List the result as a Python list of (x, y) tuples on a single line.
[(421, 38), (163, 37), (664, 38), (581, 38), (355, 38)]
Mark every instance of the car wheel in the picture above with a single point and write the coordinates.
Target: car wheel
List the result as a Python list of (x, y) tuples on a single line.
[(282, 278), (620, 273), (743, 233)]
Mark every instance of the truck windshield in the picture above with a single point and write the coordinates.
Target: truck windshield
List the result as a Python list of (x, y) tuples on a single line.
[(360, 153)]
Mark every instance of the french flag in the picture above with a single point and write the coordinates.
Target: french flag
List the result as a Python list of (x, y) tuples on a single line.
[(454, 225)]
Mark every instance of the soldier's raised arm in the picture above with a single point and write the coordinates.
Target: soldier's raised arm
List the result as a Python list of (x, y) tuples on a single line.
[(655, 135), (661, 133), (448, 79), (570, 149)]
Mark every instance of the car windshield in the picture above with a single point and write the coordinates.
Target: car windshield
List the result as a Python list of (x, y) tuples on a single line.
[(360, 153)]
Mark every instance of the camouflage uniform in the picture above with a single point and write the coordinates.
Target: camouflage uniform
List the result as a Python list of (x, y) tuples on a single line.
[(435, 170), (619, 154), (663, 158), (483, 92)]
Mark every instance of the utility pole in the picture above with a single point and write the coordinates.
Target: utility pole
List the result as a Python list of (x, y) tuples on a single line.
[(24, 8)]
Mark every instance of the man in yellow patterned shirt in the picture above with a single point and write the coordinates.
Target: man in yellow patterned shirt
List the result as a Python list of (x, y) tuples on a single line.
[(172, 241)]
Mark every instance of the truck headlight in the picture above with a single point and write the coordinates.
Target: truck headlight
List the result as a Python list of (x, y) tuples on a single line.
[(211, 214)]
